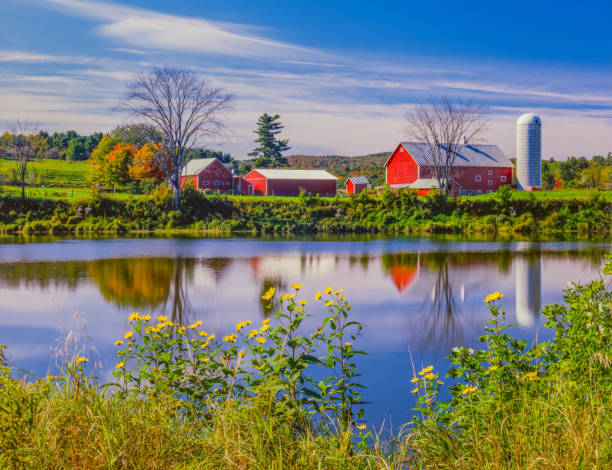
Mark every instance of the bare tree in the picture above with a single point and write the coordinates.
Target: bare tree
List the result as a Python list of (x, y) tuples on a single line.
[(183, 107), (445, 126), (23, 141)]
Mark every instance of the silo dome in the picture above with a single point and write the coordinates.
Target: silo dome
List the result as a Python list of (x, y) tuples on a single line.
[(529, 151)]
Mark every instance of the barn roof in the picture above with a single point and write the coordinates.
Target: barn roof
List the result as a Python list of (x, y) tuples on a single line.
[(358, 179), (486, 155), (274, 174), (195, 167), (421, 183)]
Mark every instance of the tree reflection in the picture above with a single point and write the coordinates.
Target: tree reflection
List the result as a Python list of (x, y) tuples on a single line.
[(154, 285)]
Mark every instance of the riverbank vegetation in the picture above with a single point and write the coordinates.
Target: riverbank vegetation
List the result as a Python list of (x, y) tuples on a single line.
[(505, 212), (181, 397)]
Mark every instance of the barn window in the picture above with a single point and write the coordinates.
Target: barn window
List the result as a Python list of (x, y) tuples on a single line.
[(477, 177), (216, 183), (490, 182), (490, 172), (503, 179), (206, 183), (462, 192), (479, 191), (470, 193), (489, 190)]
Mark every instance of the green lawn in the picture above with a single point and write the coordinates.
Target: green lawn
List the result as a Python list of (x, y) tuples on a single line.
[(60, 193), (55, 172), (547, 195)]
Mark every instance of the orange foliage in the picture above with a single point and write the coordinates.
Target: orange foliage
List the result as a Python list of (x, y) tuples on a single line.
[(146, 165)]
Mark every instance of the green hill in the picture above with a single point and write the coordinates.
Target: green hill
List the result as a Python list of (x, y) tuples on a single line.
[(370, 166)]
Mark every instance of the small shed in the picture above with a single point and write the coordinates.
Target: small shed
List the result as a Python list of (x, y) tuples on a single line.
[(356, 184), (281, 182)]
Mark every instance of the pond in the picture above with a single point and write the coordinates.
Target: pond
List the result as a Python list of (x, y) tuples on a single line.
[(418, 297)]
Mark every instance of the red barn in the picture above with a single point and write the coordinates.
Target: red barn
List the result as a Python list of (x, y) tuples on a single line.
[(477, 169), (356, 184), (273, 182), (210, 173)]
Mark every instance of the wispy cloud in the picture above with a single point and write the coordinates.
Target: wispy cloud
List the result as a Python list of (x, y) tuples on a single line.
[(152, 30)]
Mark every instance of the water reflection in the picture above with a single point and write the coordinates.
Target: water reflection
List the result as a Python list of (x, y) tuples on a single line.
[(528, 270), (417, 299)]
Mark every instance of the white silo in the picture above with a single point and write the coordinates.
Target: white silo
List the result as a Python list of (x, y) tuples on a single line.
[(528, 151)]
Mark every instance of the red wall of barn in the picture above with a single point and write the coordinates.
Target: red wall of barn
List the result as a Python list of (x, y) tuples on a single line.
[(216, 172), (193, 179), (350, 187), (402, 168), (257, 180), (292, 187), (465, 176)]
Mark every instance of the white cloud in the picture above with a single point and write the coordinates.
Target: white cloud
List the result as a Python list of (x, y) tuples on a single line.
[(152, 30)]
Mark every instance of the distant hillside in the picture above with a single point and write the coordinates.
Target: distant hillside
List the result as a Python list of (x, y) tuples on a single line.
[(371, 166)]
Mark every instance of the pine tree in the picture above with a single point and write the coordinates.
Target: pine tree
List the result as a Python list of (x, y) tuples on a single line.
[(269, 152)]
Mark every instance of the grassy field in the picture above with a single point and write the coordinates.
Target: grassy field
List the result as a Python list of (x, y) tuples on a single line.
[(548, 195), (55, 172)]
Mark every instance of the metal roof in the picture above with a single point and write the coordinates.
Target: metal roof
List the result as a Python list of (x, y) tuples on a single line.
[(195, 167), (358, 179), (486, 155), (274, 174), (421, 183)]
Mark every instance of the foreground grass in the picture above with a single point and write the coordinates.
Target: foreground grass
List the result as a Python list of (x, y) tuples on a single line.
[(54, 172)]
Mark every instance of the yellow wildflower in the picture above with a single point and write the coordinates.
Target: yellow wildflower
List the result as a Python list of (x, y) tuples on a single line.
[(242, 354), (204, 359), (160, 325), (119, 342), (239, 326), (440, 382), (303, 302), (299, 309), (269, 293), (133, 316), (120, 365), (193, 326), (469, 389), (204, 345), (361, 427), (297, 286), (129, 343), (348, 306), (348, 345), (248, 322), (146, 317), (253, 333), (328, 289), (230, 339), (415, 390), (494, 296), (342, 297), (493, 367), (266, 321), (79, 360), (211, 337), (162, 318), (128, 335), (260, 340), (317, 295), (264, 327), (338, 292), (426, 370), (329, 303), (287, 296), (203, 333), (430, 376), (414, 380)]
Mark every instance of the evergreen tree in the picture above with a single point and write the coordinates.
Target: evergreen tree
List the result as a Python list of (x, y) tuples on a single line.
[(269, 152)]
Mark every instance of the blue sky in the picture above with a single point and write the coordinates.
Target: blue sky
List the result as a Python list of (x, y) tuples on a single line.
[(342, 74)]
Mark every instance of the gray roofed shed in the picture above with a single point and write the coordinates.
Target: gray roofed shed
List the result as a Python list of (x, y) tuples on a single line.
[(358, 180), (195, 167)]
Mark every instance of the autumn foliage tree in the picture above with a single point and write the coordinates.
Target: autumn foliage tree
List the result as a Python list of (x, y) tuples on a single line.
[(145, 165), (112, 161)]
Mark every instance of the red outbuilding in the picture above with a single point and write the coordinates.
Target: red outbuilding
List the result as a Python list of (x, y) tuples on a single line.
[(477, 169), (211, 174), (274, 182), (356, 184)]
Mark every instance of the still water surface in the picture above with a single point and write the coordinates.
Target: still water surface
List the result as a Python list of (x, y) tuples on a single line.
[(417, 297)]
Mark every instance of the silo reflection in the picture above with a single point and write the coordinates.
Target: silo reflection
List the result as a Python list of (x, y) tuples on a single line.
[(528, 269)]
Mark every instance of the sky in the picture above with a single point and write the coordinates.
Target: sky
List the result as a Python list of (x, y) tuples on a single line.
[(341, 74)]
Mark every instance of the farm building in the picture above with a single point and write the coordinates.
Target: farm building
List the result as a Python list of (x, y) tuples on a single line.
[(356, 184), (273, 182), (477, 169), (210, 173)]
